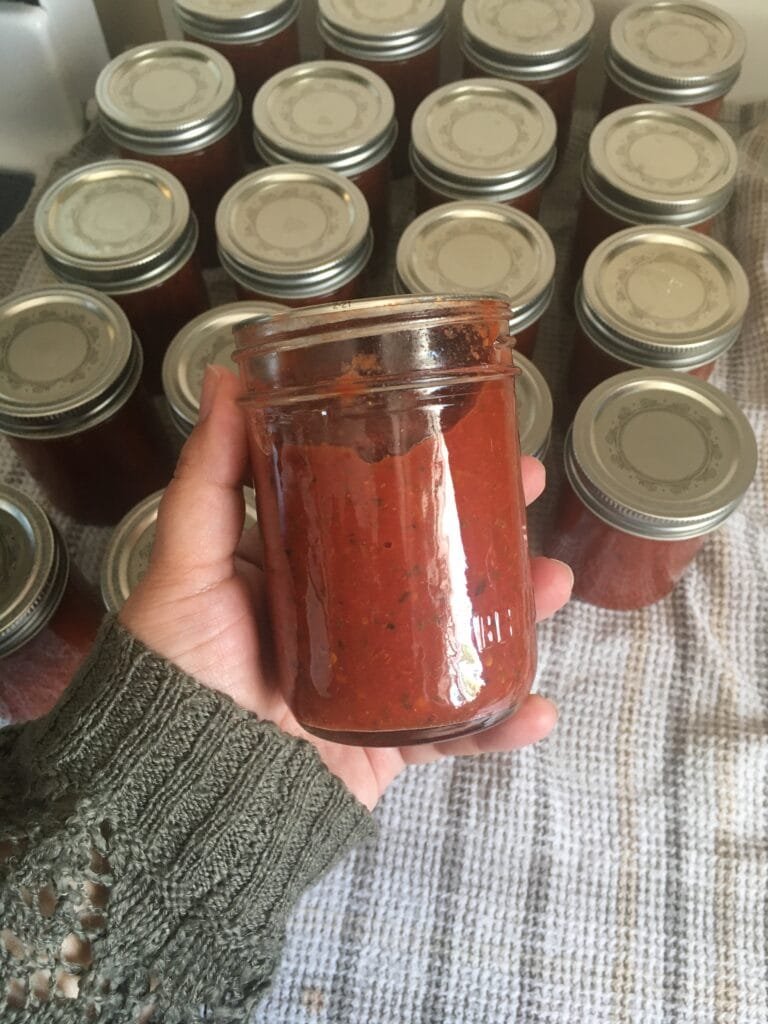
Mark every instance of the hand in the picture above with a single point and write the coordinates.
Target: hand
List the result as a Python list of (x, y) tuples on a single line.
[(201, 602)]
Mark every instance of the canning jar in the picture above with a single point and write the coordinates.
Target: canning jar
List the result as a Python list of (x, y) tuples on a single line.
[(174, 104), (482, 138), (478, 248), (666, 298), (534, 408), (655, 461), (386, 462), (400, 42), (672, 51), (295, 234), (205, 340), (651, 164), (541, 45), (72, 405), (124, 227), (48, 615)]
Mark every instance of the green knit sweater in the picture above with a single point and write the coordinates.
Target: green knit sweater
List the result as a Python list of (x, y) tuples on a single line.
[(153, 839)]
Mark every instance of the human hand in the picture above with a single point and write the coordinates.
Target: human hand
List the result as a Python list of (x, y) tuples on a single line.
[(201, 602)]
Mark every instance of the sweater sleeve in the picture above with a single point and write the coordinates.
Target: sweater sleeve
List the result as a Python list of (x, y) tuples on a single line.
[(153, 839)]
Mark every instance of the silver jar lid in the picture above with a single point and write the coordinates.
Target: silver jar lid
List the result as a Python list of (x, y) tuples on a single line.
[(116, 225), (650, 163), (469, 248), (130, 547), (34, 568), (327, 112), (206, 340), (370, 30), (235, 21), (660, 454), (483, 138), (167, 97), (68, 361), (662, 297), (533, 401), (530, 41), (675, 51), (293, 231)]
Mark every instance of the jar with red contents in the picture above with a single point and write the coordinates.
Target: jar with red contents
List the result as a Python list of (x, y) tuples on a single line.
[(666, 298), (206, 340), (124, 227), (651, 164), (655, 461), (540, 45), (72, 405), (385, 456), (534, 408), (477, 248), (295, 234), (48, 615), (174, 104), (672, 51), (334, 114), (400, 42), (483, 138)]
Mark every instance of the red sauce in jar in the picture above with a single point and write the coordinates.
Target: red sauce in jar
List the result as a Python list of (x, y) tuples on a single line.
[(427, 198), (614, 97), (351, 290)]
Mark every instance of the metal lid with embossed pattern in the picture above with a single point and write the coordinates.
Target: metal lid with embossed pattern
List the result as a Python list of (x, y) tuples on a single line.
[(116, 225), (483, 138), (533, 402), (294, 231), (675, 51), (34, 568), (660, 454), (206, 339), (68, 361), (235, 21), (650, 163), (663, 297), (368, 29), (530, 39), (167, 97), (328, 112), (468, 248)]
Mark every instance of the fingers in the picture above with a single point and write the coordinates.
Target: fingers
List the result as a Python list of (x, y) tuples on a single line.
[(534, 478), (552, 585)]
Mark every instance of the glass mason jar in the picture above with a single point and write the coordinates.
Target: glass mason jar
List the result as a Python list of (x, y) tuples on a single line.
[(483, 138), (295, 234), (125, 228), (534, 408), (478, 248), (655, 461), (72, 406), (666, 298), (335, 114), (400, 42), (174, 104), (206, 339), (386, 462), (651, 164), (540, 45), (48, 615), (672, 51)]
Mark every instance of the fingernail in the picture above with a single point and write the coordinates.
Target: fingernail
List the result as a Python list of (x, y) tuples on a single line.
[(208, 392), (567, 568)]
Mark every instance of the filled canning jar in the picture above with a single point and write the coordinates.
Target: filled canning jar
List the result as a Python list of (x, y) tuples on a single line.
[(125, 228), (534, 408), (175, 104), (386, 462), (205, 340), (655, 461), (652, 164), (72, 404), (400, 42), (295, 234), (48, 615), (478, 248), (541, 45), (482, 138), (672, 51), (666, 298)]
